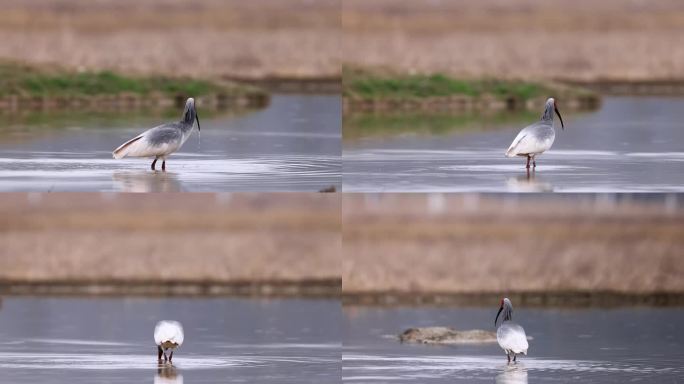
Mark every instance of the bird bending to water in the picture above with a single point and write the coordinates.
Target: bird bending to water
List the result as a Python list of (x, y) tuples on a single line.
[(511, 336), (534, 139), (163, 140), (167, 335)]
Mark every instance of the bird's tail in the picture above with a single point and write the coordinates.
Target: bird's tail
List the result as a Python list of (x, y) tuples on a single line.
[(509, 152), (122, 150)]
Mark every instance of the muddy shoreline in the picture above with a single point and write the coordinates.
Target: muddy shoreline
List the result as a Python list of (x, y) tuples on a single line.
[(656, 87), (572, 299), (462, 104), (305, 85), (313, 288), (131, 102), (126, 102)]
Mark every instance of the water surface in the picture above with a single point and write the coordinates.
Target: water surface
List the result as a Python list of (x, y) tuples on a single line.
[(578, 345), (632, 144), (226, 340), (292, 145)]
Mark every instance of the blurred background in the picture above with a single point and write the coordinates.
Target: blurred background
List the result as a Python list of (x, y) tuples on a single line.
[(596, 280), (77, 79), (208, 38), (253, 278), (435, 91), (223, 243), (618, 40), (476, 248)]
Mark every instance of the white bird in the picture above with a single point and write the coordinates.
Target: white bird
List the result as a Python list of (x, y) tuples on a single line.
[(163, 140), (167, 335), (511, 336), (534, 139)]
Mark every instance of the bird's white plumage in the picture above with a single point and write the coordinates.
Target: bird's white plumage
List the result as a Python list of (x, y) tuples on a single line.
[(162, 140), (536, 138), (140, 146), (512, 338), (528, 142), (168, 331)]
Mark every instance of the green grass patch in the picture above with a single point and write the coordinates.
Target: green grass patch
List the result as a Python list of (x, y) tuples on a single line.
[(371, 85), (22, 80)]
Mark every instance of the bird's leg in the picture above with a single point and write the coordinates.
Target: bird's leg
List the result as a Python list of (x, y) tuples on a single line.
[(508, 355), (170, 356), (165, 358), (515, 356), (534, 163), (164, 165), (153, 164), (159, 353), (528, 162)]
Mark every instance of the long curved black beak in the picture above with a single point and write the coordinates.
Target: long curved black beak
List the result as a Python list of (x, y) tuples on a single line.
[(559, 116), (198, 125), (497, 315)]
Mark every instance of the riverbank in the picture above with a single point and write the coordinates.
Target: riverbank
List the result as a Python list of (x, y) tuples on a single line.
[(533, 40), (231, 244), (210, 39), (538, 299), (24, 87), (538, 250), (386, 92)]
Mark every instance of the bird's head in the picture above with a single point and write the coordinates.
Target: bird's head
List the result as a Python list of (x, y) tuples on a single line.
[(190, 113), (506, 307), (551, 107)]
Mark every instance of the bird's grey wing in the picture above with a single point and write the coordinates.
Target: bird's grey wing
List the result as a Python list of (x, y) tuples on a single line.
[(541, 131), (164, 134)]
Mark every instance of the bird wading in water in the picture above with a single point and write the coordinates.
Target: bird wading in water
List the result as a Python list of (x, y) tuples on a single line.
[(168, 335), (161, 141), (510, 336), (534, 139)]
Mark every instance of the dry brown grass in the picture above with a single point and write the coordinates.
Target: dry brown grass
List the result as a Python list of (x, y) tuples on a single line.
[(577, 40), (169, 237), (207, 38), (464, 244)]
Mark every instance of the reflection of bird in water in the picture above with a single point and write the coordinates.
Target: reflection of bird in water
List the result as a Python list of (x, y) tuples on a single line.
[(140, 181), (163, 140), (534, 139), (168, 335), (510, 335), (168, 374), (528, 183), (512, 374)]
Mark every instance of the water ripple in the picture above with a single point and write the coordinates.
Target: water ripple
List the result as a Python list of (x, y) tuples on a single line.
[(365, 367)]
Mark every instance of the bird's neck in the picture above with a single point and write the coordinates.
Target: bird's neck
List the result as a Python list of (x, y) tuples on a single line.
[(507, 314), (188, 119), (548, 114)]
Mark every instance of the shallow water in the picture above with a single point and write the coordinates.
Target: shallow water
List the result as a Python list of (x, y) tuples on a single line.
[(632, 144), (582, 345), (226, 340), (292, 145)]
